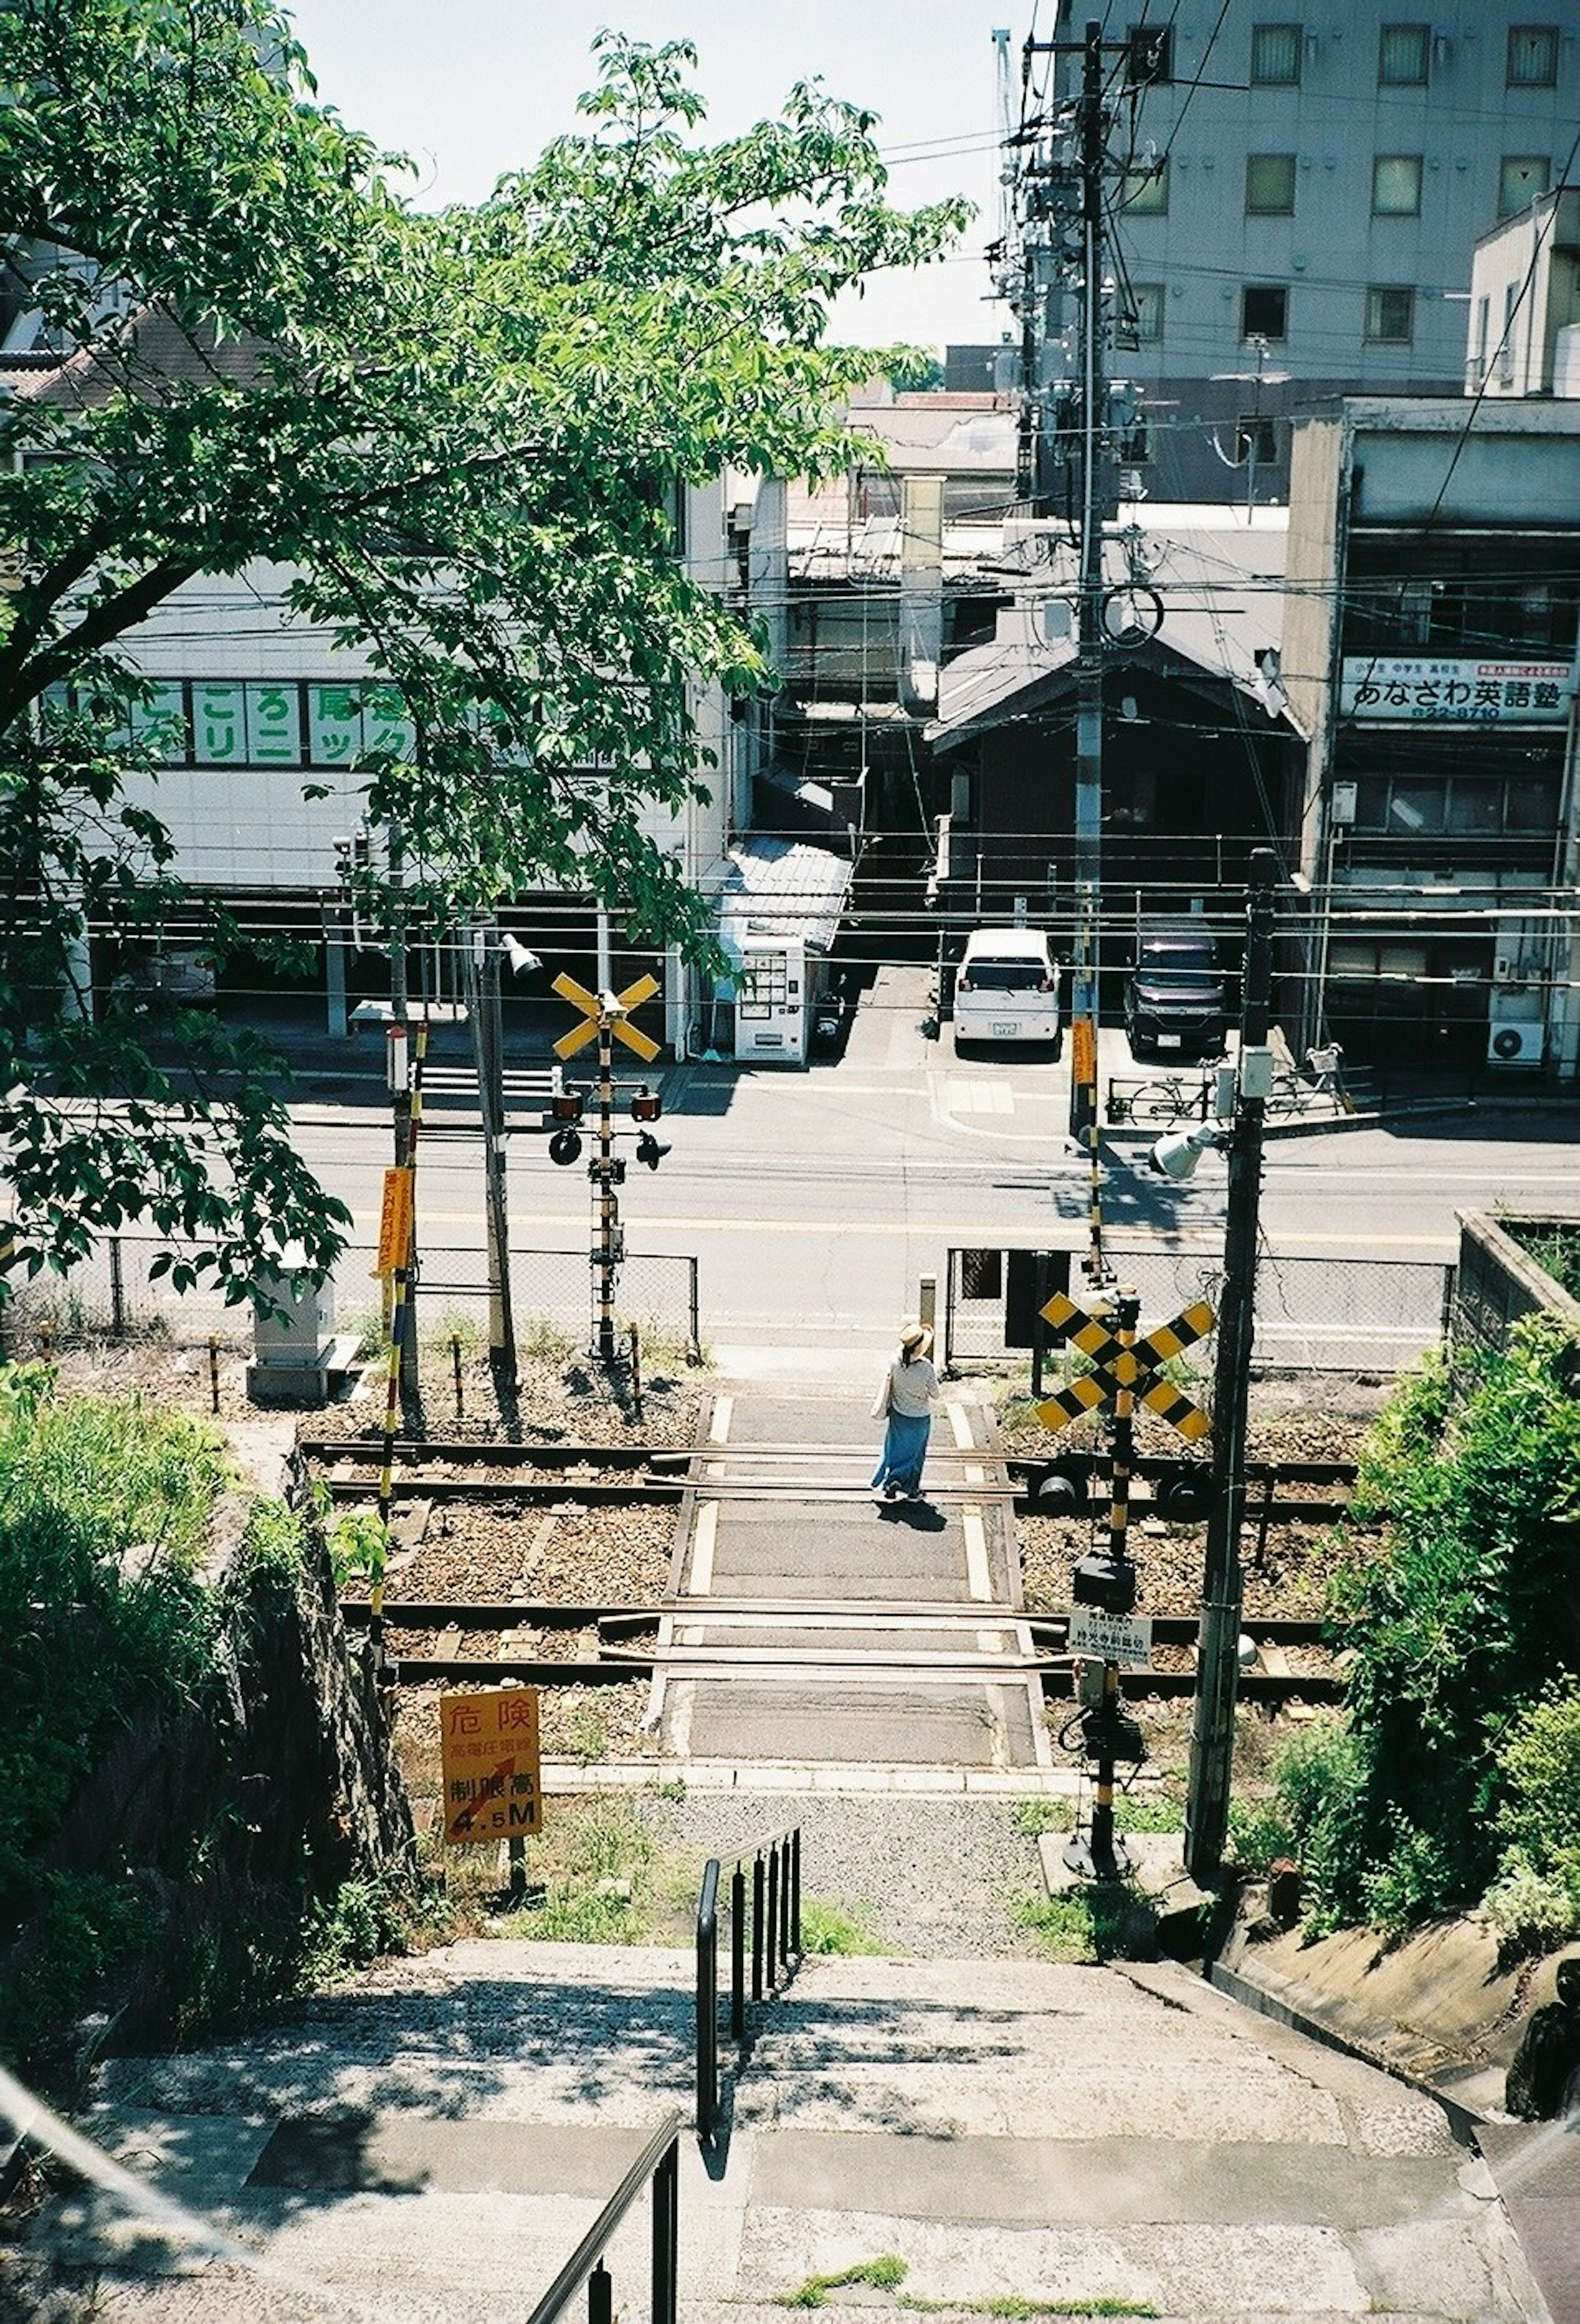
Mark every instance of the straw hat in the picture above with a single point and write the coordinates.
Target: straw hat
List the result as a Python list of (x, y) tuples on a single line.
[(916, 1340)]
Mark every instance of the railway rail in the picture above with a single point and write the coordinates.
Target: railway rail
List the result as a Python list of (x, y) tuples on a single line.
[(456, 1638)]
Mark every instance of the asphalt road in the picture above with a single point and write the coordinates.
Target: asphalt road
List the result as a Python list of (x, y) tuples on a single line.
[(814, 1201)]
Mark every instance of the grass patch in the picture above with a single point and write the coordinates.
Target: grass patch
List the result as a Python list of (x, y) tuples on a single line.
[(828, 1929), (887, 2272), (1085, 1925), (596, 1861), (1009, 2303)]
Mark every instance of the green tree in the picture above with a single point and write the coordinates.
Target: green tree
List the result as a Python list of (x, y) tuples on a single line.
[(462, 434)]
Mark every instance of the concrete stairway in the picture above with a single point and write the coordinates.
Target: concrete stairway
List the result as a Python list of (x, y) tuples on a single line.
[(1011, 2130)]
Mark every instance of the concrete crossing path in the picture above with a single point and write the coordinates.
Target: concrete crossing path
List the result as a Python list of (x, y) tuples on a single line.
[(813, 1627), (1018, 2136)]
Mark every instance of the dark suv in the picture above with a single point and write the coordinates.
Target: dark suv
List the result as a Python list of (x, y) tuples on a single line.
[(1178, 995)]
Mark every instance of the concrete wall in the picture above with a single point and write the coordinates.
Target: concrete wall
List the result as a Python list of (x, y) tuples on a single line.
[(1499, 1282)]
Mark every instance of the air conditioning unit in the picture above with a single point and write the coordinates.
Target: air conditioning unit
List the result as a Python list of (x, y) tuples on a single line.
[(1516, 1044)]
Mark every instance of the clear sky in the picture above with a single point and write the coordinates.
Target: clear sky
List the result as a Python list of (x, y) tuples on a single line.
[(470, 89)]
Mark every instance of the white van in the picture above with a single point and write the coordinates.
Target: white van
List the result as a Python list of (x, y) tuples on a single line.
[(1006, 989)]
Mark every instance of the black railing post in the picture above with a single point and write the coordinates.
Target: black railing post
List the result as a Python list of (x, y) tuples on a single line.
[(757, 1927), (772, 1945), (600, 2296), (666, 2185), (796, 1892), (707, 2002), (738, 1954)]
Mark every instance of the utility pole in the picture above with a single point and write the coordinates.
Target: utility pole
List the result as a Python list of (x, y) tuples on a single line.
[(485, 1008), (1211, 1740), (1082, 428), (1088, 832)]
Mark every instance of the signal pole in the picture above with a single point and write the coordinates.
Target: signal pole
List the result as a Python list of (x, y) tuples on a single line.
[(1212, 1740), (604, 1020)]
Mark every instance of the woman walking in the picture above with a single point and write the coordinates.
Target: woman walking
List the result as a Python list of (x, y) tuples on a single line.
[(906, 1398)]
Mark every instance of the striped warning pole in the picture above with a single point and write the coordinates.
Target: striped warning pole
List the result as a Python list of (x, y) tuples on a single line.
[(1107, 1855), (402, 1311)]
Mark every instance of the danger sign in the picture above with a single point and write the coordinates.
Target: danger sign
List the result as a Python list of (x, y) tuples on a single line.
[(488, 1745)]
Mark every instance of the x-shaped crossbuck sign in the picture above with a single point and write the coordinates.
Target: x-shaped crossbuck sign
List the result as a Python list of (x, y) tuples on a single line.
[(1115, 1367), (610, 1009)]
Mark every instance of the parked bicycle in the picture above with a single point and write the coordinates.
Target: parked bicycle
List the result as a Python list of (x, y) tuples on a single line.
[(1175, 1097), (1319, 1082)]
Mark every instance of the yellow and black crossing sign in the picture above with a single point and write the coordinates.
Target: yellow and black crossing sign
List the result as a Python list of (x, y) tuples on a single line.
[(1116, 1367), (610, 1010)]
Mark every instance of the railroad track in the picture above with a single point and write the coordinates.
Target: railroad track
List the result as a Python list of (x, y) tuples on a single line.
[(439, 1636)]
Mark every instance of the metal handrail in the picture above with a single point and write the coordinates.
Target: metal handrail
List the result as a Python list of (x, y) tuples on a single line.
[(776, 1946), (660, 2160)]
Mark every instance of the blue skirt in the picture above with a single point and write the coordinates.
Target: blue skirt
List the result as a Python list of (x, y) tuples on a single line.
[(905, 1442)]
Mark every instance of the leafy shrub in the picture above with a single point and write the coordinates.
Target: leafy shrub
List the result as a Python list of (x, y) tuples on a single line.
[(1529, 1911), (1451, 1633), (1259, 1832), (103, 1508), (1539, 1763)]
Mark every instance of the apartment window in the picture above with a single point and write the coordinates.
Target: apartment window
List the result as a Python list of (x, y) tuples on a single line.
[(1484, 324), (1403, 56), (1264, 310), (1275, 56), (1533, 56), (1270, 185), (1390, 317), (1147, 307), (1396, 185), (1146, 191), (1520, 178)]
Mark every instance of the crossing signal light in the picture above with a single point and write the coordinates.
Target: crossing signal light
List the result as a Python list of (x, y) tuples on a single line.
[(567, 1105), (1064, 1488), (649, 1150), (645, 1104), (1185, 1492), (565, 1145)]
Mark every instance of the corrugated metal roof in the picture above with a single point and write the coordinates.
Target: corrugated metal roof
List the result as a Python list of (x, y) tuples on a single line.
[(783, 888)]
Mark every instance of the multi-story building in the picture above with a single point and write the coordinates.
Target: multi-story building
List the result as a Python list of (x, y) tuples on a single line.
[(1306, 182), (1430, 654)]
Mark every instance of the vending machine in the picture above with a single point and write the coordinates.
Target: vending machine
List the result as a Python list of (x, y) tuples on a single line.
[(771, 1000)]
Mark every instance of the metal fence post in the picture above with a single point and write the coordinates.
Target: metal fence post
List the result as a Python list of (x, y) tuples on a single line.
[(666, 2202), (774, 1916), (117, 1290), (757, 1928), (695, 1350), (738, 1954)]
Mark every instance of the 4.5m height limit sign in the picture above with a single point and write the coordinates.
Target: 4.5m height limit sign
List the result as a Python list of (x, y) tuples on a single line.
[(493, 1782)]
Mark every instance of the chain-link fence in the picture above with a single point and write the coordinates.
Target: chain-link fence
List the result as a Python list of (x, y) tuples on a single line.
[(1312, 1314), (111, 1296)]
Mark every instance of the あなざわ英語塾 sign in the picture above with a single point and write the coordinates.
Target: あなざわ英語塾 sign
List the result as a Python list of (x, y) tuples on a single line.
[(493, 1780)]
